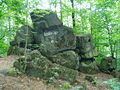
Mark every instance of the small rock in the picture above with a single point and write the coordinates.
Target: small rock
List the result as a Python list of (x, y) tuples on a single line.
[(108, 64), (90, 79), (88, 67)]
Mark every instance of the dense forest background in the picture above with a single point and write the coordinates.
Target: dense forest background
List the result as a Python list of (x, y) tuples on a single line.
[(101, 18)]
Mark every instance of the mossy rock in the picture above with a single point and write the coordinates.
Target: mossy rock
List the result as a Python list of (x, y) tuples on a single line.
[(85, 46), (68, 59), (45, 72), (39, 66), (88, 67), (40, 13), (44, 19), (108, 64), (90, 54), (115, 74)]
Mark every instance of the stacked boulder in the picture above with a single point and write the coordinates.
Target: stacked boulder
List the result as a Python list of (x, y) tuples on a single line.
[(87, 51), (53, 45)]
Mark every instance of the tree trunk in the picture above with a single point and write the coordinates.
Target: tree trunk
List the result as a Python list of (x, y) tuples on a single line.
[(61, 10), (26, 40), (90, 21), (109, 37), (73, 13), (50, 4)]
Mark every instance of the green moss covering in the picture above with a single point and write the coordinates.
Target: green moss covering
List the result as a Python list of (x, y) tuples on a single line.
[(88, 67), (39, 66), (68, 59), (41, 13)]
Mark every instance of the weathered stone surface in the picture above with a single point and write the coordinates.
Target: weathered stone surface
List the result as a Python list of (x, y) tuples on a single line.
[(52, 45), (40, 66), (108, 64), (68, 59), (85, 46), (90, 54), (57, 39), (89, 67), (44, 19), (21, 35), (50, 34)]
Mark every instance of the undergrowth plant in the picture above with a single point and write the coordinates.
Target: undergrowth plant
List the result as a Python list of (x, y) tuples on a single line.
[(114, 83), (66, 86), (55, 74)]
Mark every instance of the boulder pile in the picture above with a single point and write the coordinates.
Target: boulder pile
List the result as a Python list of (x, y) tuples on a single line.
[(53, 47)]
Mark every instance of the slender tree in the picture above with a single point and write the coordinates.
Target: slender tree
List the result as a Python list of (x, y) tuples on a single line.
[(61, 15), (26, 39), (73, 12), (109, 36)]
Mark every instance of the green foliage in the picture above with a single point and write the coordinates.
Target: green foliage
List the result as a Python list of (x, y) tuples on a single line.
[(118, 64), (12, 72), (3, 48), (78, 88), (114, 83), (66, 86), (12, 14), (51, 80), (55, 74)]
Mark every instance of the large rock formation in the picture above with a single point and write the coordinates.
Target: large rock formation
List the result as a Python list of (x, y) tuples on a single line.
[(57, 47)]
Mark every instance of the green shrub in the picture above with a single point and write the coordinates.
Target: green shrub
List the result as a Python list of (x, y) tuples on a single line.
[(114, 83), (55, 75), (66, 86), (12, 72), (3, 48)]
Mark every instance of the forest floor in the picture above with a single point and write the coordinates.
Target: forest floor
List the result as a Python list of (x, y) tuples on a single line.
[(28, 83)]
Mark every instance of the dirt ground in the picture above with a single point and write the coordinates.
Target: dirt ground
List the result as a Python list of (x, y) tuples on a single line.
[(28, 83)]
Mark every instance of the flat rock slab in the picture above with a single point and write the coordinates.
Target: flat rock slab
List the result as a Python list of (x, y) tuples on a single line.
[(69, 59)]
